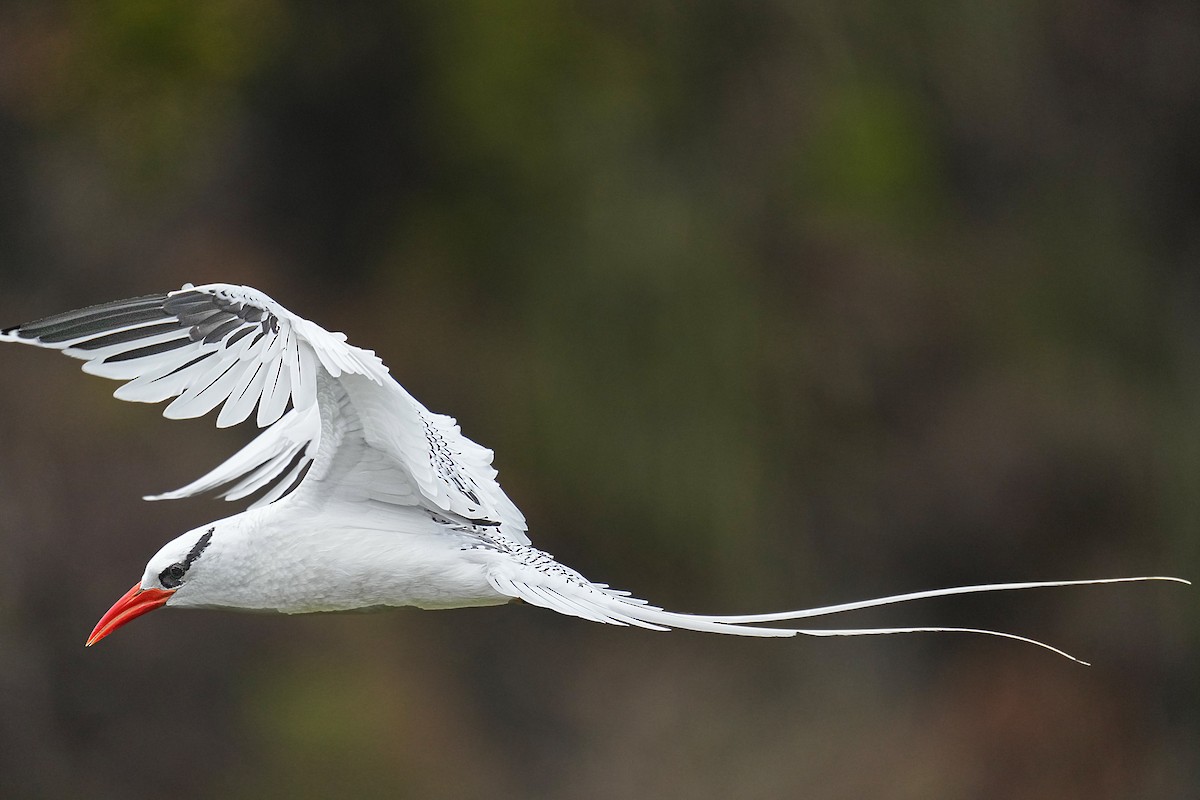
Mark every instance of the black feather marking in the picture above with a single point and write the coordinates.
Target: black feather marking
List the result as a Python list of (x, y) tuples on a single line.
[(99, 325), (81, 328), (102, 310), (193, 307), (187, 301), (237, 336), (199, 308), (198, 548), (196, 316), (52, 324), (191, 363), (149, 350), (172, 576), (249, 383), (213, 322), (219, 333), (228, 367), (301, 457), (214, 316), (121, 337)]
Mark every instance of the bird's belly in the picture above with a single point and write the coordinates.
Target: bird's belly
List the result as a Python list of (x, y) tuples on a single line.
[(387, 569)]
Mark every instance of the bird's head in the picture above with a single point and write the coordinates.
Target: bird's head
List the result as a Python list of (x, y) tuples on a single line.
[(173, 576)]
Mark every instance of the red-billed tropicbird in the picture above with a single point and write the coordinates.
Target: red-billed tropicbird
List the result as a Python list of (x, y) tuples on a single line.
[(372, 500)]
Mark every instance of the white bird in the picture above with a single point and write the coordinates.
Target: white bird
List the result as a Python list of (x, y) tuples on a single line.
[(371, 499)]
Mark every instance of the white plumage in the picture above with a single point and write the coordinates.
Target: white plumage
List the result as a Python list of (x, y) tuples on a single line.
[(368, 498)]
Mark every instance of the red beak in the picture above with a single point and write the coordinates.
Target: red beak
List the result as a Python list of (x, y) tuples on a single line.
[(133, 604)]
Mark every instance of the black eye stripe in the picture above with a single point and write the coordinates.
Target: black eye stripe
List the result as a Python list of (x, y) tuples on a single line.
[(195, 552), (172, 576)]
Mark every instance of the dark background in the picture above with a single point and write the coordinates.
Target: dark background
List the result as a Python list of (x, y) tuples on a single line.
[(761, 305)]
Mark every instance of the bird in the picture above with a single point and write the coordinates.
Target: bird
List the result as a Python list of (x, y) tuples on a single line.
[(369, 500)]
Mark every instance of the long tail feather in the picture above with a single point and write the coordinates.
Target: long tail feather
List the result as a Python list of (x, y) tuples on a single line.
[(539, 580), (909, 596)]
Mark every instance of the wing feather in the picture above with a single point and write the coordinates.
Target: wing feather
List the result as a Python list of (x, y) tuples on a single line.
[(277, 389), (202, 348), (261, 461), (234, 348), (260, 477), (243, 396), (284, 484), (303, 375)]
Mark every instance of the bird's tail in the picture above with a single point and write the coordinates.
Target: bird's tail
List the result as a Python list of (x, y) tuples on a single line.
[(537, 579)]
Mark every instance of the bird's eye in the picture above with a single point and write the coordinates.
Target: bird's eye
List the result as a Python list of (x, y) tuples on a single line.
[(172, 576)]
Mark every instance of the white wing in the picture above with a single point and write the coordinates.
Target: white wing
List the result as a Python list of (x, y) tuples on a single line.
[(378, 445), (234, 347)]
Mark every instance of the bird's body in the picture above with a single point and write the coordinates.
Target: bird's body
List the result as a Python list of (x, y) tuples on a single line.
[(368, 498), (282, 558)]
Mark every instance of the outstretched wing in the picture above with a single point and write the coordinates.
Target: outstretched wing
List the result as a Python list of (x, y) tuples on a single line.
[(204, 346), (210, 346), (235, 347)]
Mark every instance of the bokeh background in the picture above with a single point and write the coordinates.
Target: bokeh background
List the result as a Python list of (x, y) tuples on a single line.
[(761, 305)]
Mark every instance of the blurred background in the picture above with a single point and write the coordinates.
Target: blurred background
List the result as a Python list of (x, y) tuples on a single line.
[(761, 305)]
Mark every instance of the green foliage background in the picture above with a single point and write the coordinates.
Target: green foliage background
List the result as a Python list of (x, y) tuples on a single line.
[(761, 305)]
